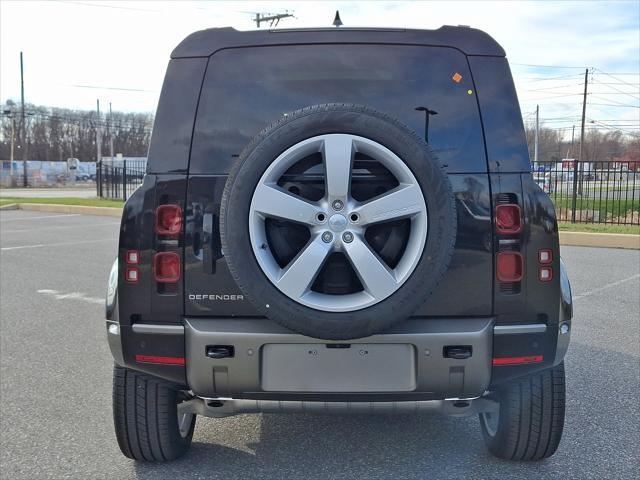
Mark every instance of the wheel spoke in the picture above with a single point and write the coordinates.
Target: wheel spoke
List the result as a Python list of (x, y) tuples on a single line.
[(337, 152), (297, 278), (401, 202), (377, 279), (272, 202)]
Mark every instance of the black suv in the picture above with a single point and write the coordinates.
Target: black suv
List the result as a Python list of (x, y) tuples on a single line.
[(341, 221)]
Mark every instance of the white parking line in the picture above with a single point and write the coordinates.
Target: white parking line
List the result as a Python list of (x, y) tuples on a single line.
[(40, 245), (4, 231), (39, 218), (72, 296), (604, 287)]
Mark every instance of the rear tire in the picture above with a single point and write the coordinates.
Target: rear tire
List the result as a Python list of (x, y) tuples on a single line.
[(145, 417), (531, 417)]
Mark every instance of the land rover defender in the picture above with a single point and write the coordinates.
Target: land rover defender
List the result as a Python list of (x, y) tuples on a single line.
[(338, 221)]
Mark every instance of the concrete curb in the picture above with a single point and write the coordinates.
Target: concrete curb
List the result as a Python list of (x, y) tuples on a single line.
[(81, 209), (579, 239), (605, 240)]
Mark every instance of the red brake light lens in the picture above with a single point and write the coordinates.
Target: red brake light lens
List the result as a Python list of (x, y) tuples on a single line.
[(168, 220), (166, 267), (509, 267), (508, 219)]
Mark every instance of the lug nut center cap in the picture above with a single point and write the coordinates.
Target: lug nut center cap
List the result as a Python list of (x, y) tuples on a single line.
[(337, 222)]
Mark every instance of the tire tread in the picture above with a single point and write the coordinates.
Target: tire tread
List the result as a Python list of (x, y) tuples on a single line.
[(145, 417), (531, 419)]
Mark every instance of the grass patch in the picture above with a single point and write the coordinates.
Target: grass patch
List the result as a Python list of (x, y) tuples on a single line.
[(598, 228), (597, 209), (87, 202)]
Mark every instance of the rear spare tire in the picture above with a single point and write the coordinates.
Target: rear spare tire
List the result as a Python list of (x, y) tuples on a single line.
[(337, 221)]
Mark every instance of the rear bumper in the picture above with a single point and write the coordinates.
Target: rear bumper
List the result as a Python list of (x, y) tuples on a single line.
[(245, 376), (416, 371)]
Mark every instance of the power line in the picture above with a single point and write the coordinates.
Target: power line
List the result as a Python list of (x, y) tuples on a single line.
[(543, 89), (615, 103), (543, 79), (621, 91), (115, 88), (609, 75), (543, 66)]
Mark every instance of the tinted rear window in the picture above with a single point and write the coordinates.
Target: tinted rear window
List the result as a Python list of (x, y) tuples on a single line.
[(247, 89)]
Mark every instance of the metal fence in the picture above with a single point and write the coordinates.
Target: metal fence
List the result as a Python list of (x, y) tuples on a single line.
[(119, 180), (584, 192)]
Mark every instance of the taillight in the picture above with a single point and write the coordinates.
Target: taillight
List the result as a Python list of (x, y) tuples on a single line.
[(508, 219), (545, 256), (166, 267), (132, 274), (509, 267), (545, 274), (545, 271), (168, 219), (132, 257)]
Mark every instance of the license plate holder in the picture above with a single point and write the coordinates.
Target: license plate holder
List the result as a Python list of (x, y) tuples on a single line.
[(338, 368)]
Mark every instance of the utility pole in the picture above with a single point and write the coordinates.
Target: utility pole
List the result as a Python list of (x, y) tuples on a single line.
[(23, 134), (13, 137), (98, 134), (98, 152), (573, 132), (579, 159), (110, 132), (535, 143)]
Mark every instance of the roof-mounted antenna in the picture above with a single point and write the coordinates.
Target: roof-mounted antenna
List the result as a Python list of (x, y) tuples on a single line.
[(336, 21)]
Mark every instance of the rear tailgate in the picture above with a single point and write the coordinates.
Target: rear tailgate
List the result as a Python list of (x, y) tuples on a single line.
[(246, 89)]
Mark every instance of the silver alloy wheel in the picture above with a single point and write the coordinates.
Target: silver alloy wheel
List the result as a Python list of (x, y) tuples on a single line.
[(406, 201), (184, 423), (491, 420)]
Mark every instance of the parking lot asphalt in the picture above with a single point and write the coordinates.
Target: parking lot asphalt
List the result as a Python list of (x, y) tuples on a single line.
[(55, 381)]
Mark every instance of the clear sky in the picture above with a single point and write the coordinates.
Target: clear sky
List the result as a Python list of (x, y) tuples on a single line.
[(71, 45)]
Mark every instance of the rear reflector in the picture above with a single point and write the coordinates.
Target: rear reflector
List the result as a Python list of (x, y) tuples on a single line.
[(545, 274), (545, 256), (518, 360), (509, 267), (161, 360), (133, 257), (132, 274), (166, 267), (508, 219), (168, 220)]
